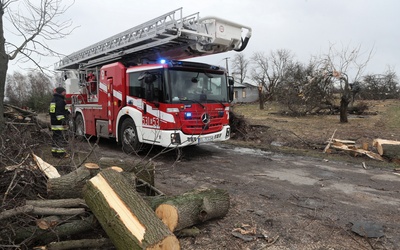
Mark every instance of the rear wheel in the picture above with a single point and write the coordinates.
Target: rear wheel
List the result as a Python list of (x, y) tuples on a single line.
[(129, 137), (79, 128)]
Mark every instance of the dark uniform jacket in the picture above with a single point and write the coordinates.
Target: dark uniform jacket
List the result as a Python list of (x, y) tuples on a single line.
[(58, 113)]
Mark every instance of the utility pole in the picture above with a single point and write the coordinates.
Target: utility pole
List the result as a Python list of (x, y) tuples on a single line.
[(227, 66)]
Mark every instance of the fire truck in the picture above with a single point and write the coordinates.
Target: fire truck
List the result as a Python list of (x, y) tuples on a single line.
[(138, 88)]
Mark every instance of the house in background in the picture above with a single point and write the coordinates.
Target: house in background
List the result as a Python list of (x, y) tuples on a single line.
[(245, 92)]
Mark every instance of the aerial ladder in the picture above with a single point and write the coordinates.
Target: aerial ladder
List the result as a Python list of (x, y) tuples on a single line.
[(171, 36)]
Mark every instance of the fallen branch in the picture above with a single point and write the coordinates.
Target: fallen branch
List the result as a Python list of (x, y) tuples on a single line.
[(370, 154), (102, 243), (63, 203), (329, 142), (33, 233), (29, 209)]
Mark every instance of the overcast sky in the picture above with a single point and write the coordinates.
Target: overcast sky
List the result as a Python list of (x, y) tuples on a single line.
[(305, 27)]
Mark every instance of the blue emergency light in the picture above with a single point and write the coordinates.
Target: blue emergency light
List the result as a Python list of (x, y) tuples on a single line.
[(188, 115)]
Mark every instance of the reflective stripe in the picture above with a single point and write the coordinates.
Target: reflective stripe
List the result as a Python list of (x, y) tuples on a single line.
[(60, 117), (58, 127), (52, 107), (58, 150)]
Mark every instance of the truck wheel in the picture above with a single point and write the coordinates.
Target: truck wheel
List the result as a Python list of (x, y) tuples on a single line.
[(79, 128), (129, 138)]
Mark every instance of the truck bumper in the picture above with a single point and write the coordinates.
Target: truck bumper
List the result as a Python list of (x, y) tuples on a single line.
[(171, 139)]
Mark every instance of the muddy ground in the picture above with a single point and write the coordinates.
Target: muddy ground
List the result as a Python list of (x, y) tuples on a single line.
[(283, 201)]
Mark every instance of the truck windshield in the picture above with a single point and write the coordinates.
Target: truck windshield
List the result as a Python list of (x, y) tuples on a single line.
[(197, 86)]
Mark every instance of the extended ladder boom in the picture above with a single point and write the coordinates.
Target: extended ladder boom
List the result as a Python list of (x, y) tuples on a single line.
[(170, 36)]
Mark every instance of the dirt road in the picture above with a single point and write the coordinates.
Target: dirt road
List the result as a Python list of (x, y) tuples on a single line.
[(293, 202)]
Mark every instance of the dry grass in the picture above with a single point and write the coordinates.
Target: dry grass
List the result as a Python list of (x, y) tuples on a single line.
[(310, 133)]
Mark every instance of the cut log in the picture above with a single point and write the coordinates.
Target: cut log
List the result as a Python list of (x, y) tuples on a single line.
[(388, 148), (128, 221), (144, 171), (70, 185), (49, 170), (102, 243), (182, 211)]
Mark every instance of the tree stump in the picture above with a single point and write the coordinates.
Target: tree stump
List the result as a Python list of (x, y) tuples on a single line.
[(127, 219)]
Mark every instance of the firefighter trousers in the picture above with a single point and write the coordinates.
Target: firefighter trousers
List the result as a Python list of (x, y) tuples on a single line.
[(58, 144)]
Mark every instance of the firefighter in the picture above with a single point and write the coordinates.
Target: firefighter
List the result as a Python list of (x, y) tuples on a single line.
[(59, 121), (92, 83)]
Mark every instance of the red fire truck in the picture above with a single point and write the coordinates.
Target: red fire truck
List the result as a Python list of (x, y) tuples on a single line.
[(134, 86)]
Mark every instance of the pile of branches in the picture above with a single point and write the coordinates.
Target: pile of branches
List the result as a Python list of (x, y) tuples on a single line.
[(239, 126)]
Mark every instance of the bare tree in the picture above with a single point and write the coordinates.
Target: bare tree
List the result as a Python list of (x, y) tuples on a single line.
[(240, 66), (269, 71), (35, 22), (339, 64), (380, 86), (18, 89)]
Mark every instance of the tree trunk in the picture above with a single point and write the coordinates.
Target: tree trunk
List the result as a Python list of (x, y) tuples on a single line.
[(128, 221), (3, 68), (260, 97), (344, 104), (191, 208)]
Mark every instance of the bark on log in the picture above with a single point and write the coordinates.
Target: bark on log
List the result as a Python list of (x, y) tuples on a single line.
[(34, 234), (66, 203), (102, 243), (191, 208), (142, 170), (70, 185), (388, 148), (128, 221), (29, 209)]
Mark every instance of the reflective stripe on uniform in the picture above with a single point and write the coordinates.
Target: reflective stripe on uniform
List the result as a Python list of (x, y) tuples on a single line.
[(60, 117), (52, 107), (58, 150), (58, 127)]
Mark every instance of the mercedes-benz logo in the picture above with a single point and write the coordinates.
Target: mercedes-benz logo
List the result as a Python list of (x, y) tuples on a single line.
[(205, 118)]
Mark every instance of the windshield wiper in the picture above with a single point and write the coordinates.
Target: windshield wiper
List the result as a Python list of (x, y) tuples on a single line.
[(220, 102), (195, 101)]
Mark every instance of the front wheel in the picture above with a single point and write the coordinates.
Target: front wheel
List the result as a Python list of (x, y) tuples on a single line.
[(129, 137), (79, 128)]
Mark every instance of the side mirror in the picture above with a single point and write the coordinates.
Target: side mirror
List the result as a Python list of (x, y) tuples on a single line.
[(231, 82)]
